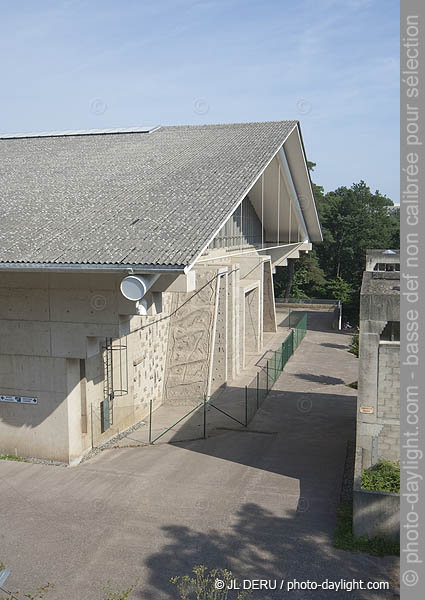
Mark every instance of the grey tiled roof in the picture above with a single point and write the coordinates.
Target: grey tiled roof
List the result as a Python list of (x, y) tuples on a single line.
[(131, 198)]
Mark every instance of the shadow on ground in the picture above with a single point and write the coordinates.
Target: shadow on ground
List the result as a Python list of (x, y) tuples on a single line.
[(261, 545), (324, 379), (336, 346)]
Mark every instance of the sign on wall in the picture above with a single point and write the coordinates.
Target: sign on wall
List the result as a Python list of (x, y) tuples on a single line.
[(18, 399)]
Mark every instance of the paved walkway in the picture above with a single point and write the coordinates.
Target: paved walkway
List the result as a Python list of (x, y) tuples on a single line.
[(261, 502)]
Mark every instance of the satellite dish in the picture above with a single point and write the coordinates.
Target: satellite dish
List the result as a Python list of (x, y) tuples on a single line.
[(134, 287)]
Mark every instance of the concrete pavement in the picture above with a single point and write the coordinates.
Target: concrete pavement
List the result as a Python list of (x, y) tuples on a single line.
[(261, 502)]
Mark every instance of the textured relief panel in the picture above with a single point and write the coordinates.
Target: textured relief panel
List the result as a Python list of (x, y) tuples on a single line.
[(189, 347)]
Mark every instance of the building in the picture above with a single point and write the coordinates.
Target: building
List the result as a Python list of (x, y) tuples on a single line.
[(136, 266), (378, 415), (377, 514)]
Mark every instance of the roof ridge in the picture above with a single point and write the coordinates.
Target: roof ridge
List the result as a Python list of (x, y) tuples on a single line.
[(79, 132), (136, 129)]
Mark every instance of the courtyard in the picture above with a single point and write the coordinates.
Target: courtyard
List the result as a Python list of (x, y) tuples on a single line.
[(261, 501)]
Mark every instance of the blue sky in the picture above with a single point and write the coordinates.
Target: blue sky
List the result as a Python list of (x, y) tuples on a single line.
[(332, 64)]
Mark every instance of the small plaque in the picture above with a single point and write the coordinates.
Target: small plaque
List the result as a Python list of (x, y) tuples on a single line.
[(18, 399), (368, 410)]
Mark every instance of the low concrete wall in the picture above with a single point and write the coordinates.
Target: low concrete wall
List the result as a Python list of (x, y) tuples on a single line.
[(306, 306), (376, 514)]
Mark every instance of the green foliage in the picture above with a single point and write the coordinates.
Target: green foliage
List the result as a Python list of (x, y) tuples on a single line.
[(354, 346), (353, 220), (41, 592), (345, 540), (309, 279), (340, 289), (382, 477), (354, 385), (111, 594), (11, 457), (200, 585)]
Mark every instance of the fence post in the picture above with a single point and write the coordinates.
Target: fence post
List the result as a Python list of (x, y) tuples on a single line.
[(150, 420), (205, 416), (267, 383), (258, 389), (91, 419), (246, 406)]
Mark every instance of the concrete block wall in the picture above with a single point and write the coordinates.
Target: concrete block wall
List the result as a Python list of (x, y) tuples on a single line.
[(378, 433)]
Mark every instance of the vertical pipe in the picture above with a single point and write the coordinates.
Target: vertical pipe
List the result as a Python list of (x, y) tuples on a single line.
[(262, 210), (290, 221), (150, 420), (246, 406), (91, 419), (267, 369), (205, 416), (278, 206), (258, 389)]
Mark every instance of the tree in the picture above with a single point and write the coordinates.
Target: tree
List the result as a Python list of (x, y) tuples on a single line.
[(340, 290), (353, 220)]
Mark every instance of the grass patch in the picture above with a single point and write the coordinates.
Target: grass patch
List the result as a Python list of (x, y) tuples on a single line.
[(201, 584), (382, 477), (345, 540), (353, 384), (354, 346), (11, 457)]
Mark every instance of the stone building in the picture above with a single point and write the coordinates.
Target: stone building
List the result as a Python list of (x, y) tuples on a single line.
[(378, 414), (136, 267)]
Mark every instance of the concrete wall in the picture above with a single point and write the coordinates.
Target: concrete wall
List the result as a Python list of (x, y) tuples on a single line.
[(45, 321), (375, 514), (378, 410), (378, 405), (52, 332)]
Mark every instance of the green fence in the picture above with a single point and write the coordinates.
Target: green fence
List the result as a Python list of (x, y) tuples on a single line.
[(257, 390)]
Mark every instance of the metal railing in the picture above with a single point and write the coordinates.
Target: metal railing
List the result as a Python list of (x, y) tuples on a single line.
[(258, 389), (195, 417)]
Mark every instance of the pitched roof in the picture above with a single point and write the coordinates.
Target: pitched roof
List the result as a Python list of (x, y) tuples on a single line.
[(127, 198)]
